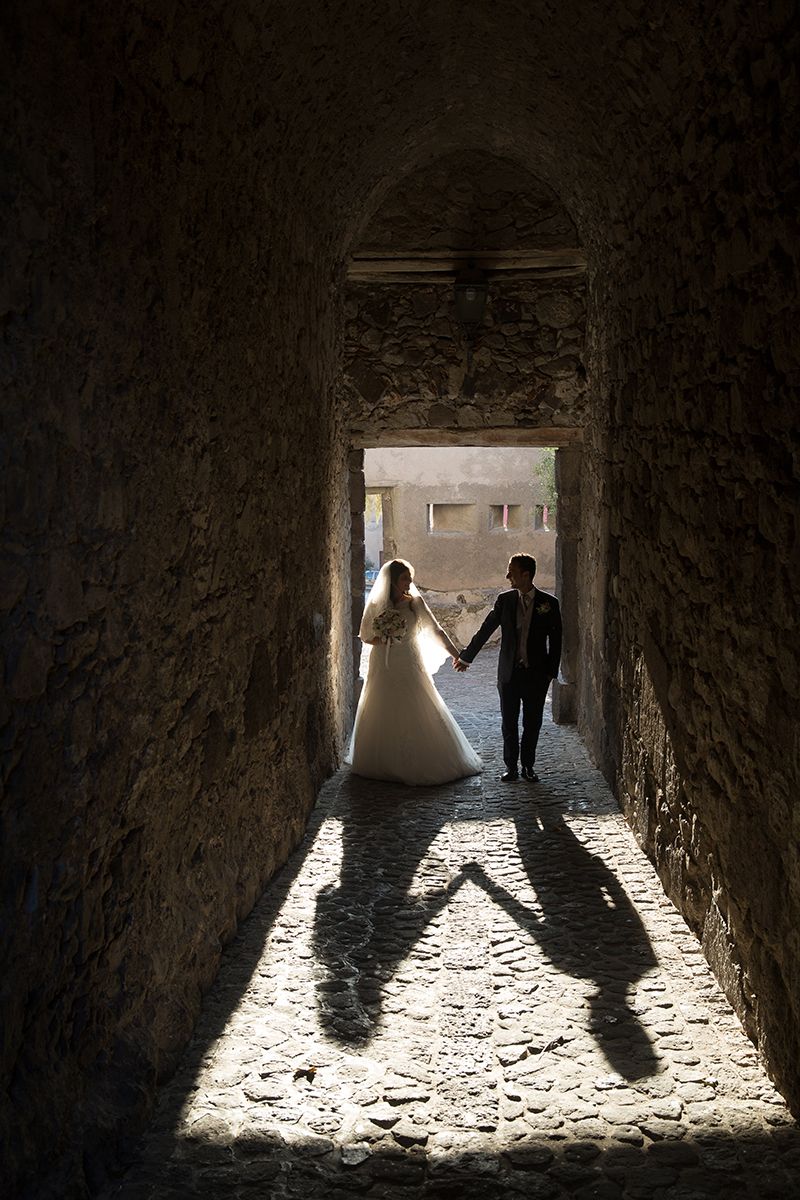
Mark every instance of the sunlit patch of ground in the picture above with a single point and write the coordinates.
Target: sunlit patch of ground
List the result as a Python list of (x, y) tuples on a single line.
[(472, 990)]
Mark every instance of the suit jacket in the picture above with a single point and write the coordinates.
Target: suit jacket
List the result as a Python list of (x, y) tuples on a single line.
[(544, 634)]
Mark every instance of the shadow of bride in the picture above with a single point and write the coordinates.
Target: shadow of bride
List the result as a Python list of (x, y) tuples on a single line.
[(367, 925), (394, 883)]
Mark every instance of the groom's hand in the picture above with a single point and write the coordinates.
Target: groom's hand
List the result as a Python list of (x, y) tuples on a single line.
[(460, 665)]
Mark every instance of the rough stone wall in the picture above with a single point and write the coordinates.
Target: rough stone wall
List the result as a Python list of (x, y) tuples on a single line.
[(461, 613), (695, 588), (357, 556), (176, 677), (406, 359)]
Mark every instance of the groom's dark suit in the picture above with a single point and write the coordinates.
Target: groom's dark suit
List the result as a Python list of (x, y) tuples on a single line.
[(517, 684)]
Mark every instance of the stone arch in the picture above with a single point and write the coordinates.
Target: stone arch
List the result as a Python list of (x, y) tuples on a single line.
[(404, 347), (405, 378)]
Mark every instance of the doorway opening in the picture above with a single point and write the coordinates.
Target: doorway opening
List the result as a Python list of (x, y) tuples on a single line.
[(458, 513)]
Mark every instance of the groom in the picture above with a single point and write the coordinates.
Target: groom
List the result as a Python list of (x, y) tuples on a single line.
[(530, 651)]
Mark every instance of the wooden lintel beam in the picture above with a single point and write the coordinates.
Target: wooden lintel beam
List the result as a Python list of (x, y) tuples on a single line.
[(452, 254), (355, 275), (448, 262), (499, 436)]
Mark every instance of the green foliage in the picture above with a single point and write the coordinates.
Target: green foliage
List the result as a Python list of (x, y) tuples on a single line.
[(545, 472)]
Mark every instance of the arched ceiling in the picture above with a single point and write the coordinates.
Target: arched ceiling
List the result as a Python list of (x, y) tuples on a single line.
[(467, 208), (334, 105), (406, 380), (577, 94)]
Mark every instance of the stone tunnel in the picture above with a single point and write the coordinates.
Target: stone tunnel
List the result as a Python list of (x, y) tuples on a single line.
[(230, 237)]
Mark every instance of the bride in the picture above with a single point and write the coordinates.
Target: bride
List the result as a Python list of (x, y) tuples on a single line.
[(404, 732)]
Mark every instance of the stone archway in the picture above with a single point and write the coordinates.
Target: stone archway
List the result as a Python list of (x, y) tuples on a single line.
[(405, 354)]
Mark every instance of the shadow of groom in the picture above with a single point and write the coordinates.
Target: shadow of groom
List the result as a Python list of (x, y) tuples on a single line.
[(586, 926), (394, 884)]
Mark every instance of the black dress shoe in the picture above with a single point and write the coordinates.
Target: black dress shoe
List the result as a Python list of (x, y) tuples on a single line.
[(529, 774), (509, 777)]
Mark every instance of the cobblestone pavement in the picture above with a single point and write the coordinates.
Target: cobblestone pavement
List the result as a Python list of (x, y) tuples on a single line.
[(476, 990)]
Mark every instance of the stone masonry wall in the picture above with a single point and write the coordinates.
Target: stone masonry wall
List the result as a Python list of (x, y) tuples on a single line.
[(405, 359), (696, 531), (176, 680)]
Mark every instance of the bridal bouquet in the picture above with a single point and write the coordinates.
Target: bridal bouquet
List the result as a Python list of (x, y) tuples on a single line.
[(390, 627)]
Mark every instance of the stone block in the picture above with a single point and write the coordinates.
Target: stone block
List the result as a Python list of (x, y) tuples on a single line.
[(28, 674), (63, 600)]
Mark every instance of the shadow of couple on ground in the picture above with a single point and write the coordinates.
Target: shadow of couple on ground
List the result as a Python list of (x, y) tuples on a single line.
[(394, 883)]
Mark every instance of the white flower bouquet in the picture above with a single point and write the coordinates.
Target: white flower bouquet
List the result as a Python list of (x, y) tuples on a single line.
[(390, 626)]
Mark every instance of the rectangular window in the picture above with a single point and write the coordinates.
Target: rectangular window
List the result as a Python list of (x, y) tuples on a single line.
[(451, 518), (505, 516), (544, 518)]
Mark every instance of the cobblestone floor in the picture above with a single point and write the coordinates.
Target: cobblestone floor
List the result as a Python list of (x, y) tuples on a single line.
[(476, 990)]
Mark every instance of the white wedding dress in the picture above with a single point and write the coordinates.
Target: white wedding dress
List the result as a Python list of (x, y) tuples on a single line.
[(404, 732)]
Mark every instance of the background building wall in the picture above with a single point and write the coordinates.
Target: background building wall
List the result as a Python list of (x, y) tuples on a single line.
[(479, 481)]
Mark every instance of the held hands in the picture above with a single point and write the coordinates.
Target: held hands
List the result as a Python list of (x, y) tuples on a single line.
[(459, 664), (452, 649)]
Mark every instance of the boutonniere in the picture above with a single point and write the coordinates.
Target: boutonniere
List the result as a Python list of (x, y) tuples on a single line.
[(542, 608)]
